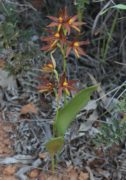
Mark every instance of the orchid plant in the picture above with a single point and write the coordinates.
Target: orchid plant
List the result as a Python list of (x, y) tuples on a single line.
[(58, 83)]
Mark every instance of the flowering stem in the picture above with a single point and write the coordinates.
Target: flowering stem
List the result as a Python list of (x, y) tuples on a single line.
[(53, 163), (64, 58), (65, 99), (57, 109), (56, 75), (64, 65)]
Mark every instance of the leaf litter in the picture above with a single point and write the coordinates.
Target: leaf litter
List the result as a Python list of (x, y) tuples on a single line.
[(33, 129)]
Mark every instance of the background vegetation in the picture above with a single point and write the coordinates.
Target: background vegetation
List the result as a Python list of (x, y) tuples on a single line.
[(99, 130)]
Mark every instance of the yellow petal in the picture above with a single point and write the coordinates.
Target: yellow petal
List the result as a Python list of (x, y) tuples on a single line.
[(76, 53), (76, 28)]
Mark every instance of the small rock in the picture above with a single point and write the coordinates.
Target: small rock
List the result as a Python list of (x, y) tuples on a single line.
[(35, 38)]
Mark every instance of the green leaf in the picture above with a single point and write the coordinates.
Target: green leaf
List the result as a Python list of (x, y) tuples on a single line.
[(54, 145), (120, 6), (104, 11), (67, 114)]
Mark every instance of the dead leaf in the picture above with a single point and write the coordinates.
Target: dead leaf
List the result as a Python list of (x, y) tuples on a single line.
[(28, 108), (7, 81), (86, 125), (42, 177), (5, 142), (101, 92), (8, 178), (9, 170), (90, 172), (83, 176), (52, 178), (104, 173), (38, 3), (2, 63), (92, 105), (72, 173), (34, 173), (43, 155)]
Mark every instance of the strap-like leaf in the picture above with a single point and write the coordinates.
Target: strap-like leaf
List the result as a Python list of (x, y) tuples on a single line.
[(54, 145), (120, 6), (67, 114)]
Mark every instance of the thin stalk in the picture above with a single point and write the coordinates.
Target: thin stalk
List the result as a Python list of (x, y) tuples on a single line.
[(110, 37), (5, 39), (55, 72), (56, 75), (103, 48), (5, 9), (57, 109), (53, 163), (64, 58), (65, 99)]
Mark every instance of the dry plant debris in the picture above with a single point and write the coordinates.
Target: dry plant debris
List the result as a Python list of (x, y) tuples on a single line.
[(2, 63), (6, 172), (69, 174), (28, 108), (105, 60)]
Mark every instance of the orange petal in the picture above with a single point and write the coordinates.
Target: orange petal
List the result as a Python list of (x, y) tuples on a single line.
[(81, 51), (53, 24), (53, 18), (84, 42), (68, 51), (67, 27), (45, 48), (72, 19), (75, 27), (76, 53), (59, 27), (79, 23)]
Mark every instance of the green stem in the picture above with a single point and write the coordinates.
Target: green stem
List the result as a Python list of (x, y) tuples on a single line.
[(64, 58), (53, 163), (56, 75), (110, 37), (55, 91), (54, 130), (64, 65), (5, 9), (57, 110), (65, 99)]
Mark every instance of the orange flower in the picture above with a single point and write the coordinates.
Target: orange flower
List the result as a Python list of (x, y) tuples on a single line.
[(46, 86), (48, 68), (49, 47), (53, 39), (72, 23), (65, 21), (63, 16), (66, 86), (75, 46)]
